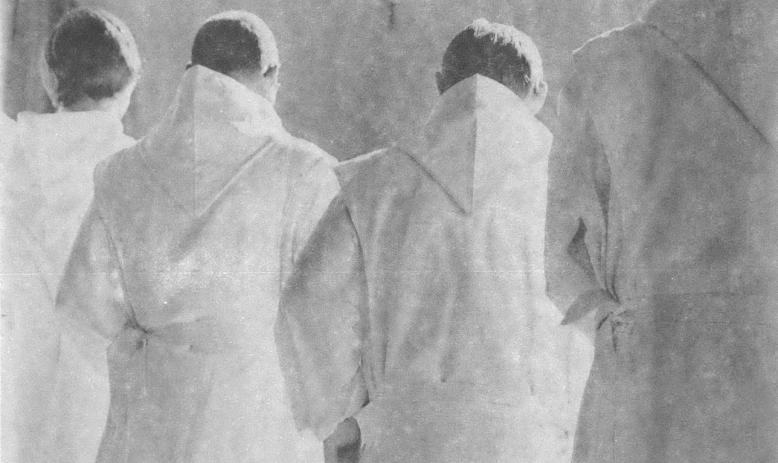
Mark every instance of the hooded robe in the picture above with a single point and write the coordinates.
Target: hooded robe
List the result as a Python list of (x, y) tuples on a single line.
[(663, 185), (177, 270), (47, 187), (421, 293)]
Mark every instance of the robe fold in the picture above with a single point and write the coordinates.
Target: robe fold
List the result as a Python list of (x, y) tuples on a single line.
[(663, 182), (177, 271), (421, 294), (47, 186)]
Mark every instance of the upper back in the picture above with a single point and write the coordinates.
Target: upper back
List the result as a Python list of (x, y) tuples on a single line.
[(227, 253), (440, 278), (689, 173), (48, 174)]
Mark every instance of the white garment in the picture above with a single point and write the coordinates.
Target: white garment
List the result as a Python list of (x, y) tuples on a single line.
[(422, 291), (47, 186), (178, 267)]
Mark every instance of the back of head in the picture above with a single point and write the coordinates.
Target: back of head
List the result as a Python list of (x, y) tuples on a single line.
[(235, 43), (497, 51), (91, 55)]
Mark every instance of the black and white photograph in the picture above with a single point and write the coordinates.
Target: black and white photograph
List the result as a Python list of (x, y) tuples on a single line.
[(389, 231)]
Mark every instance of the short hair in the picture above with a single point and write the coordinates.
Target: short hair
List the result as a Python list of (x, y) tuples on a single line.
[(234, 42), (92, 54), (497, 51)]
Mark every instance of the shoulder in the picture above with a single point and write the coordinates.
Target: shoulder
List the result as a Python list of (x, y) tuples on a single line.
[(622, 60), (613, 41), (364, 163), (114, 165), (305, 155), (617, 47), (310, 168), (116, 174), (125, 141), (383, 172)]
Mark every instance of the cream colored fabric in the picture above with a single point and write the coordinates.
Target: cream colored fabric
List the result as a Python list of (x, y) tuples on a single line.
[(422, 292), (177, 269), (47, 187), (662, 188)]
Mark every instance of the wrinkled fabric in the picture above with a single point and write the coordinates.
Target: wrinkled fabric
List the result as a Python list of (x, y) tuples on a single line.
[(47, 186), (662, 178), (421, 293), (177, 270)]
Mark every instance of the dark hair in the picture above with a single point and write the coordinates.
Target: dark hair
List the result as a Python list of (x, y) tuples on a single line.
[(92, 54), (492, 50), (227, 46)]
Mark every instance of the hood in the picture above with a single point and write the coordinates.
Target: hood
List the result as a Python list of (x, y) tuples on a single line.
[(735, 42), (478, 131), (214, 126)]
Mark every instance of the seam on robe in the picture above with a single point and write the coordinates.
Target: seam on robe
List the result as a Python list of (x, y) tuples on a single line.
[(715, 84), (438, 184)]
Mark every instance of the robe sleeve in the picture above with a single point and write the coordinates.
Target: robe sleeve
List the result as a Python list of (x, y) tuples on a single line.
[(576, 221), (90, 299), (319, 328), (92, 311), (308, 200)]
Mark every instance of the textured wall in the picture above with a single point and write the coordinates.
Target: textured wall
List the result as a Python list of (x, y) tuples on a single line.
[(356, 74)]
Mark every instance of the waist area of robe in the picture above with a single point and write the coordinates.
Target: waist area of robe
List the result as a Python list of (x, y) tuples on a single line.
[(184, 354), (681, 376), (204, 335), (178, 388), (757, 309), (736, 280), (452, 392)]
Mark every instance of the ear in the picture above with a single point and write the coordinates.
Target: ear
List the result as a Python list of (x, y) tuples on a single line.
[(271, 72), (268, 85), (537, 97), (49, 80), (439, 82), (542, 90)]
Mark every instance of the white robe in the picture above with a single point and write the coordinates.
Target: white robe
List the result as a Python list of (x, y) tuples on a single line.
[(178, 269), (422, 292), (663, 185), (47, 187)]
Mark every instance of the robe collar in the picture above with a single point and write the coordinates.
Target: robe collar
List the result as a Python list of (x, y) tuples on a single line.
[(66, 128), (479, 130), (213, 128), (54, 147), (736, 44)]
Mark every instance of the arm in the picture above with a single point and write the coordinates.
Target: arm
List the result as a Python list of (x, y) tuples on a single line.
[(307, 202), (577, 212), (90, 299), (319, 329), (92, 311)]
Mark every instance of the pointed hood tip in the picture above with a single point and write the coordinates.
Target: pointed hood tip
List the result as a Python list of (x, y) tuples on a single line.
[(449, 148), (211, 130)]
